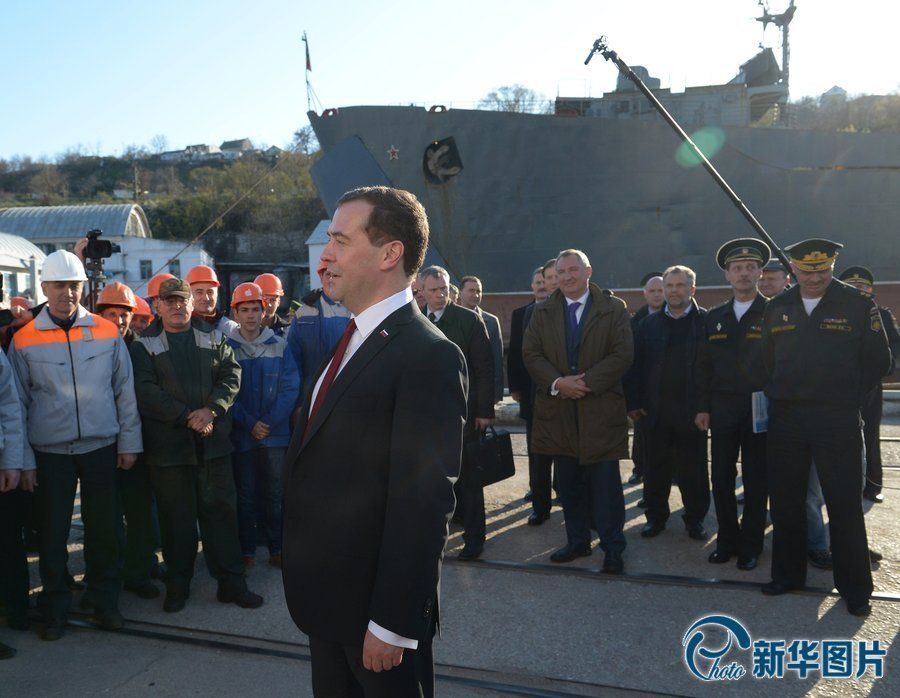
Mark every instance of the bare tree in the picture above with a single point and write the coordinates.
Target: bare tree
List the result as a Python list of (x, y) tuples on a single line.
[(159, 144), (305, 141), (48, 184), (516, 98)]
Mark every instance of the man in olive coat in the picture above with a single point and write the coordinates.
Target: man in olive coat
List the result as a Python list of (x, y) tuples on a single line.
[(577, 347), (186, 379)]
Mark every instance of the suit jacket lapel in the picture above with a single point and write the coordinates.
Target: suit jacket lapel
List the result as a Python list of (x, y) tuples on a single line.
[(381, 336)]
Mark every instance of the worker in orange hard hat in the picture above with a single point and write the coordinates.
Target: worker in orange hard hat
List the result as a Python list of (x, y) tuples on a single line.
[(153, 285), (117, 304), (205, 295), (143, 316), (273, 292)]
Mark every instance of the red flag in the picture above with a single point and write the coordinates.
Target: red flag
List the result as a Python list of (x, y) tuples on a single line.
[(308, 64)]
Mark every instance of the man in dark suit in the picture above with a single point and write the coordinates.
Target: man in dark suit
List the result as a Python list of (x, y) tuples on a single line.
[(522, 390), (369, 473), (470, 294), (467, 331)]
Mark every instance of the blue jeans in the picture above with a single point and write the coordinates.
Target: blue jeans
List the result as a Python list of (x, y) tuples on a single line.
[(593, 491), (260, 468), (816, 532)]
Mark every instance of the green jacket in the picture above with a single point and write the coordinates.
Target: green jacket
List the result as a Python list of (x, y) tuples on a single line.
[(162, 401)]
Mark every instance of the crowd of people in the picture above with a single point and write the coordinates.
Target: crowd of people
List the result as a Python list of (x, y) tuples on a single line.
[(174, 418)]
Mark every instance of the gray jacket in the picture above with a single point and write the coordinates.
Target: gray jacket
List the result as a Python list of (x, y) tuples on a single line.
[(12, 430), (77, 387)]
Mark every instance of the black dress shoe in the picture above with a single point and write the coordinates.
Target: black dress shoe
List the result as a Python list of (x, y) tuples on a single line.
[(718, 557), (747, 562), (54, 630), (529, 495), (635, 479), (472, 552), (696, 531), (859, 609), (7, 652), (875, 556), (569, 553), (613, 563), (145, 590), (244, 599), (642, 504), (652, 529), (775, 588), (109, 619), (873, 495), (174, 603), (537, 519), (821, 559)]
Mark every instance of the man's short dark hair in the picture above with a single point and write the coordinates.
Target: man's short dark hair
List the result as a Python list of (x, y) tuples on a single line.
[(396, 215), (547, 265), (466, 279)]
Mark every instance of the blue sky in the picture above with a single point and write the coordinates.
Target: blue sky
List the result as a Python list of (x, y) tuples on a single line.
[(109, 74)]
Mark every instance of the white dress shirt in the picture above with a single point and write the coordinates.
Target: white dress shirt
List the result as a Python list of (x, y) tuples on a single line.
[(438, 314), (810, 304), (579, 311), (366, 322)]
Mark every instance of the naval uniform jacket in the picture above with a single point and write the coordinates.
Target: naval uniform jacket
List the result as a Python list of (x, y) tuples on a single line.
[(833, 356), (730, 363)]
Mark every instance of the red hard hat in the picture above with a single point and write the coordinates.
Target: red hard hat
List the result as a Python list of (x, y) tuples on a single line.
[(117, 294), (20, 302), (153, 284), (143, 308), (202, 274), (270, 284), (245, 293)]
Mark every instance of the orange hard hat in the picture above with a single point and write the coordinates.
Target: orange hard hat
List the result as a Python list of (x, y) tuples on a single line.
[(270, 284), (154, 283), (245, 293), (117, 294), (20, 302), (143, 308), (202, 274)]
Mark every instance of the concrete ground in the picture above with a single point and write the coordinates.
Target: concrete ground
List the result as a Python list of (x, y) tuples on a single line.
[(512, 624)]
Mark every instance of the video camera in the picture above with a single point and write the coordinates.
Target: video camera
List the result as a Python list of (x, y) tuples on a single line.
[(97, 248)]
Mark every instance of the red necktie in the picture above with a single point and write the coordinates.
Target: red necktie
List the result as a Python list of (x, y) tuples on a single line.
[(332, 371)]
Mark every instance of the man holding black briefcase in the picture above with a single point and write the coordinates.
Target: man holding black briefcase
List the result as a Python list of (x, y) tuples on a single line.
[(467, 331), (577, 347)]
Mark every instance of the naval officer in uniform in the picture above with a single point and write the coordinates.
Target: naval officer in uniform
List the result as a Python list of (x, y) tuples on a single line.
[(824, 348), (729, 373)]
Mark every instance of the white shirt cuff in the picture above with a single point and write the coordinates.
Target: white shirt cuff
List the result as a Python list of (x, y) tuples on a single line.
[(392, 638), (553, 391)]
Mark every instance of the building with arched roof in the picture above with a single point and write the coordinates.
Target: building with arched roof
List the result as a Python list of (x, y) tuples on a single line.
[(20, 262), (139, 256)]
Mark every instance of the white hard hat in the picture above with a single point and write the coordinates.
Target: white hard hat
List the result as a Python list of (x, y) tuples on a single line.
[(62, 266)]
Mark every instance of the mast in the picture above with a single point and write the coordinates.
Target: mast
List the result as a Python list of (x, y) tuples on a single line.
[(309, 92)]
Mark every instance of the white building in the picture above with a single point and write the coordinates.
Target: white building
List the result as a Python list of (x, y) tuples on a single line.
[(140, 256), (20, 264), (315, 243)]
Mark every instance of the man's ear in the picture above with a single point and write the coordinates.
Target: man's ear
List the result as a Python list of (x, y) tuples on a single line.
[(392, 255)]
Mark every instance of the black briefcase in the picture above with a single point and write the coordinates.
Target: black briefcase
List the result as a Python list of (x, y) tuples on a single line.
[(491, 456)]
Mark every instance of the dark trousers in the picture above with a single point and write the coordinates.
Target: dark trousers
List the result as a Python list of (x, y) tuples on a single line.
[(57, 476), (830, 436), (593, 490), (540, 468), (134, 523), (639, 447), (744, 538), (257, 475), (13, 562), (470, 497), (681, 453), (871, 415), (338, 672), (185, 496)]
